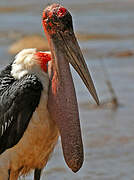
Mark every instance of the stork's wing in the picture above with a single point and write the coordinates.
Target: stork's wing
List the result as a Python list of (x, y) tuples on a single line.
[(18, 101)]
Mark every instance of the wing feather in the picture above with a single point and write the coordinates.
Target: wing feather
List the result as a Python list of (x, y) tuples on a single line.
[(18, 101)]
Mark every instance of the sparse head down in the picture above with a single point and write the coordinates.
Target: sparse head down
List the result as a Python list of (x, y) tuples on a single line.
[(56, 18), (30, 61)]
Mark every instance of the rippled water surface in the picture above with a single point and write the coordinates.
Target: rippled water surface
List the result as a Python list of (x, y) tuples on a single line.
[(108, 134)]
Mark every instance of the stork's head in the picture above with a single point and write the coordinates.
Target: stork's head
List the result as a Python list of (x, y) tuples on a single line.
[(30, 61), (57, 23), (57, 19), (62, 103)]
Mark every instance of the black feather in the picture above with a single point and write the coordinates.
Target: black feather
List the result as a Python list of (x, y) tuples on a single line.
[(18, 101)]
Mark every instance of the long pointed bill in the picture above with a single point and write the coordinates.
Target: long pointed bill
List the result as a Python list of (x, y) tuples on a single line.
[(62, 102), (78, 62)]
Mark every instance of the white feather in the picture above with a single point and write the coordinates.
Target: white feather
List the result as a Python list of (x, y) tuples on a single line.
[(26, 62), (6, 125)]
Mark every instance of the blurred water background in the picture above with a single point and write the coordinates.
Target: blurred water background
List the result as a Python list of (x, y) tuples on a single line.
[(105, 30)]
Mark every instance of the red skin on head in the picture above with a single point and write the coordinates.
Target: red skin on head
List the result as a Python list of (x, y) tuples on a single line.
[(54, 10), (44, 58), (61, 11)]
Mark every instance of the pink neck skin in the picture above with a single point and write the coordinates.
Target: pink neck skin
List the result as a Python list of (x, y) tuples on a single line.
[(62, 105)]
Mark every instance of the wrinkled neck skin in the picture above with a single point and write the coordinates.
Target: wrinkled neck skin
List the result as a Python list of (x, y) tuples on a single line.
[(63, 108)]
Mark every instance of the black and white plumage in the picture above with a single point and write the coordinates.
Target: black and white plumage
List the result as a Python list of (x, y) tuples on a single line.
[(24, 119), (18, 100)]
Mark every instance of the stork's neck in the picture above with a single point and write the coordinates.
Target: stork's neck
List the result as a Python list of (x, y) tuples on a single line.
[(27, 62)]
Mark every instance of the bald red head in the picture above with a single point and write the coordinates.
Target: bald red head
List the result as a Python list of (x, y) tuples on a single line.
[(54, 10), (56, 18)]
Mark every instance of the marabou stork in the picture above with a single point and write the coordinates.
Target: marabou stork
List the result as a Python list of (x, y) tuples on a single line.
[(36, 108)]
